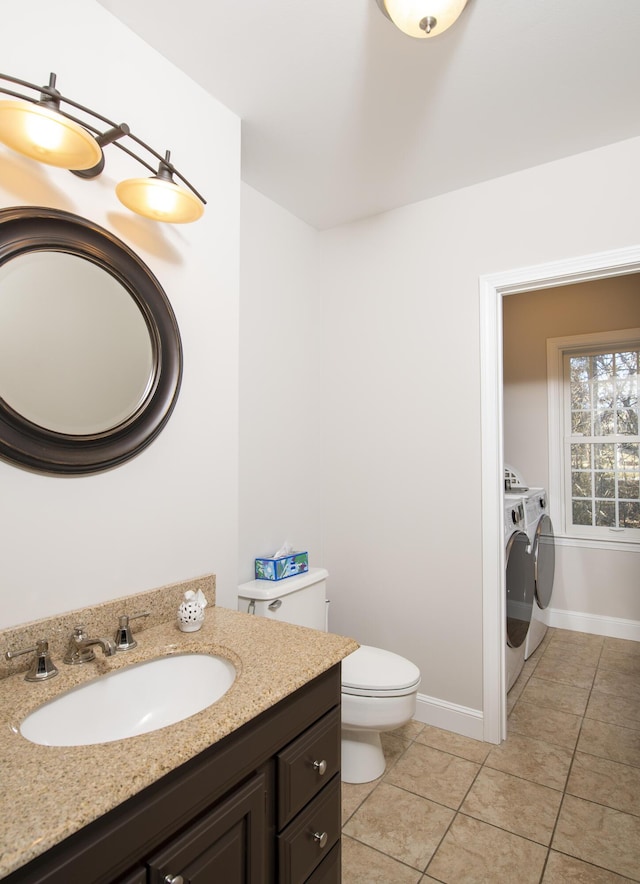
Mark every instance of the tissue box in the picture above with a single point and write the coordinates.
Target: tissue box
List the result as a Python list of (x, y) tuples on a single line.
[(285, 566)]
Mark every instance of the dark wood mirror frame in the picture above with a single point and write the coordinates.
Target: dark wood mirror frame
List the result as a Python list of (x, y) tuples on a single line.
[(25, 229)]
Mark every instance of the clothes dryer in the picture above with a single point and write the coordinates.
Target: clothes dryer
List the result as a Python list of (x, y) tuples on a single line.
[(539, 529), (519, 585)]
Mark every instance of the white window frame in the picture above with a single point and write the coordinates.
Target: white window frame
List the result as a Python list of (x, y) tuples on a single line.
[(559, 480)]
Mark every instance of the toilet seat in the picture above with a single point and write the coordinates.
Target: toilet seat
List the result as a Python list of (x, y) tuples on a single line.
[(374, 672)]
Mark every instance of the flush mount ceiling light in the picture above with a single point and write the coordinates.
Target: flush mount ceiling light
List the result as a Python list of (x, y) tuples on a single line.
[(422, 18), (40, 129)]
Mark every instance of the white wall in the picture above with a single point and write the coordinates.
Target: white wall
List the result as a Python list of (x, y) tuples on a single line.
[(170, 513), (403, 493), (282, 366)]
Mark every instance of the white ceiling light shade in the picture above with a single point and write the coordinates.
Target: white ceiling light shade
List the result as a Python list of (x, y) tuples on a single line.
[(422, 18)]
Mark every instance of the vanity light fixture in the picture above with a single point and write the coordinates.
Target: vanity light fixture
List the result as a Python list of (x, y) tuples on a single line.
[(422, 18), (40, 129)]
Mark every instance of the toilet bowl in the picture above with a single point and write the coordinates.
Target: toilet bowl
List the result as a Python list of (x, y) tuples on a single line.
[(379, 688), (379, 691)]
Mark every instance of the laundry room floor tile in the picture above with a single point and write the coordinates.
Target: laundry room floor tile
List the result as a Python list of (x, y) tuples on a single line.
[(565, 653), (566, 671), (550, 725), (566, 698), (620, 661), (622, 684)]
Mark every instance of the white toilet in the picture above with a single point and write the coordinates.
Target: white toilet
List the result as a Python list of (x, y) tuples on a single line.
[(379, 688)]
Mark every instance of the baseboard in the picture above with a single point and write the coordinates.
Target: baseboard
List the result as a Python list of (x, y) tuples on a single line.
[(450, 717), (576, 621)]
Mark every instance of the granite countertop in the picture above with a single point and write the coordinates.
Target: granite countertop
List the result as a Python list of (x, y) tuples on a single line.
[(51, 792)]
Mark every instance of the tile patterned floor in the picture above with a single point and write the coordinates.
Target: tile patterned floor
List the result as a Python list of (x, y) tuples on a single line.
[(557, 803)]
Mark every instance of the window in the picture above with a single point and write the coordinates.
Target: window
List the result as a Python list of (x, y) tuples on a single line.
[(594, 436)]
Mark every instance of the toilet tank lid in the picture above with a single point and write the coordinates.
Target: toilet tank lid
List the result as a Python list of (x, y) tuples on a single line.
[(375, 669), (275, 589)]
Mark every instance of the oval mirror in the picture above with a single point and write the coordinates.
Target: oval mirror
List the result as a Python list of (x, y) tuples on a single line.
[(90, 352)]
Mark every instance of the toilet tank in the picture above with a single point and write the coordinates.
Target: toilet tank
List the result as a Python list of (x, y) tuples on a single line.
[(301, 600)]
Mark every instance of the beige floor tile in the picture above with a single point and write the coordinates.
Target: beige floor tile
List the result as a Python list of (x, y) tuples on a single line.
[(353, 794), (393, 746), (400, 824), (621, 661), (409, 731), (515, 693), (474, 852), (622, 645), (622, 684), (433, 774), (564, 652), (517, 805), (464, 747), (363, 865), (581, 639), (566, 671), (605, 782), (550, 725), (563, 869), (614, 710), (532, 759), (599, 835), (610, 741), (567, 698)]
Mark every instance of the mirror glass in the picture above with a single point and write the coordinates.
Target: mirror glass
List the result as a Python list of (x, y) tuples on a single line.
[(75, 351), (90, 350)]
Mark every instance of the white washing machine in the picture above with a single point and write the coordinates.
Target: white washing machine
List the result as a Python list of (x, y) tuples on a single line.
[(519, 585), (539, 528)]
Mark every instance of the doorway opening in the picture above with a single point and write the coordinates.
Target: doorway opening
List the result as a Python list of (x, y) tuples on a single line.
[(493, 288)]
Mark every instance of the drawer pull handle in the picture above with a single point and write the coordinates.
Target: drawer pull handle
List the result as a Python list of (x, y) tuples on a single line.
[(174, 879), (320, 766), (321, 838)]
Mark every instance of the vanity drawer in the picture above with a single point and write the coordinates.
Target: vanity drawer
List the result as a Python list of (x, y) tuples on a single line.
[(307, 764), (330, 869), (310, 837)]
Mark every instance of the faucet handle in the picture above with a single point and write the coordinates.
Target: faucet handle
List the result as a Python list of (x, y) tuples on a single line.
[(123, 637), (42, 667)]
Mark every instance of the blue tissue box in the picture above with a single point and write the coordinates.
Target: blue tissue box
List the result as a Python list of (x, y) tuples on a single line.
[(285, 566)]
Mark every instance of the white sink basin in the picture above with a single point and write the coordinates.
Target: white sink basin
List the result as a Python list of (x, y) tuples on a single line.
[(140, 698)]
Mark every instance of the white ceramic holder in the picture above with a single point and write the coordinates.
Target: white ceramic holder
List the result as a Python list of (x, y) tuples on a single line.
[(191, 611)]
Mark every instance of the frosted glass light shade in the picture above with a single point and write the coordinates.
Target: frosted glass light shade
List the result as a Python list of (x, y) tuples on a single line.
[(407, 15), (159, 199), (47, 136)]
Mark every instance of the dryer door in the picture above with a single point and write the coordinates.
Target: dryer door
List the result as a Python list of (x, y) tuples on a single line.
[(544, 556), (520, 588)]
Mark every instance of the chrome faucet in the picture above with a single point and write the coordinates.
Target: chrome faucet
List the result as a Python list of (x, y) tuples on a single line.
[(80, 648), (42, 666)]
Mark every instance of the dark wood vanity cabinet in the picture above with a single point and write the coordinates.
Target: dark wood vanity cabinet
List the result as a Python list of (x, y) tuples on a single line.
[(261, 806)]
